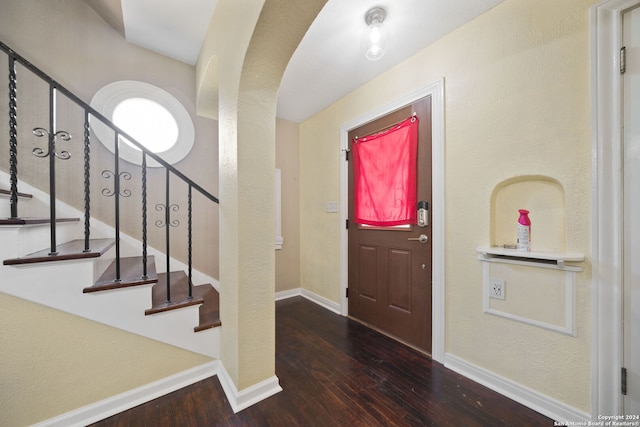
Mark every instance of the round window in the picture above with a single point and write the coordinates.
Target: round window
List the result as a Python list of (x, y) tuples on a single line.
[(148, 114)]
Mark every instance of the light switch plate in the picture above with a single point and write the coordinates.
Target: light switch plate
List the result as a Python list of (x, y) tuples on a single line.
[(331, 207)]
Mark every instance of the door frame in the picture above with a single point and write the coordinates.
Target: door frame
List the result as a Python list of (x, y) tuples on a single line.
[(437, 208), (606, 206)]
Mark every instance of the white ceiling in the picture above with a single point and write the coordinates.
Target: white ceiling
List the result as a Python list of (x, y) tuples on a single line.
[(173, 28), (328, 63)]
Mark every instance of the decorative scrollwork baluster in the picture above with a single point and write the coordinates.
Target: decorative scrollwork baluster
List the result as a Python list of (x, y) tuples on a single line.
[(123, 175), (167, 222), (63, 135), (52, 153)]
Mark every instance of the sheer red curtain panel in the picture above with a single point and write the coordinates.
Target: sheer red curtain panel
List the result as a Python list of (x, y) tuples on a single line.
[(384, 173)]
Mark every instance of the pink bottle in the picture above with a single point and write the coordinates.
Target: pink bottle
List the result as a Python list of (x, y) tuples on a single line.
[(524, 231)]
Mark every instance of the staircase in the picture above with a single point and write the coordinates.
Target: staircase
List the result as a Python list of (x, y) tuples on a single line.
[(60, 256)]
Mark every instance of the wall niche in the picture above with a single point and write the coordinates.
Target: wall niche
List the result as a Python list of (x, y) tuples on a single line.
[(544, 198), (536, 287)]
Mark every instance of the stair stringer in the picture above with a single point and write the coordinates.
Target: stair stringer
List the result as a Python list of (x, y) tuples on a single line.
[(59, 284)]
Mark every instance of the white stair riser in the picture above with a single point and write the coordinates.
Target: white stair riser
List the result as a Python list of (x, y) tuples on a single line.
[(34, 238), (27, 207), (59, 284), (5, 207)]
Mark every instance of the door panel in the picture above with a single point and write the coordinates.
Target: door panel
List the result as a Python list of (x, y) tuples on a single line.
[(389, 275), (368, 256), (400, 271)]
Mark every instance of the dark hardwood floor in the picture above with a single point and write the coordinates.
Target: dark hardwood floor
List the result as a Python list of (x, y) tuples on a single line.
[(337, 372)]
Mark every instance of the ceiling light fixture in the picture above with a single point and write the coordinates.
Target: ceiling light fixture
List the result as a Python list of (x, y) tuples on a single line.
[(375, 39)]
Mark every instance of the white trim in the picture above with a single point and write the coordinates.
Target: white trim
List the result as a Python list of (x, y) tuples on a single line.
[(315, 298), (569, 302), (240, 400), (107, 98), (322, 301), (289, 293), (436, 90), (121, 402), (606, 211), (544, 404)]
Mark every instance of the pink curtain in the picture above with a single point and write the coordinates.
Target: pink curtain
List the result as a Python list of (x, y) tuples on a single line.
[(384, 172)]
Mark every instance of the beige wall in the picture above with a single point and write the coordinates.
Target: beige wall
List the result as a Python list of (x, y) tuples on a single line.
[(247, 110), (53, 362), (287, 160), (70, 42), (516, 103)]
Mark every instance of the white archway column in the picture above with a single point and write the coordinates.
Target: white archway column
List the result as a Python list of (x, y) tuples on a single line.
[(245, 74)]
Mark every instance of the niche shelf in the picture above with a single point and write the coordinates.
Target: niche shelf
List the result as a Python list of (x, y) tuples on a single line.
[(541, 259), (539, 286)]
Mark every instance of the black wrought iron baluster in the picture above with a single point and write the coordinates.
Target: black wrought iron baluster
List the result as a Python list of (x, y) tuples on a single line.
[(13, 136), (116, 191), (52, 136), (52, 168), (167, 224), (167, 217), (87, 182), (190, 240), (145, 274)]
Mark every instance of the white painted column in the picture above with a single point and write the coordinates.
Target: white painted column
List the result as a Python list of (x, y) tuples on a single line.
[(242, 66)]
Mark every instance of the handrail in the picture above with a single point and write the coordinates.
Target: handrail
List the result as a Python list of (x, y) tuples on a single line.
[(104, 120), (52, 134)]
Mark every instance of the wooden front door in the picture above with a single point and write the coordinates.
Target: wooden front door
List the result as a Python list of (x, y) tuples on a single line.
[(389, 268)]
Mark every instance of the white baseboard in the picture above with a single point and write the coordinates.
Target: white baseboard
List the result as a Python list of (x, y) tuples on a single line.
[(321, 301), (288, 294), (240, 400), (129, 399), (546, 405)]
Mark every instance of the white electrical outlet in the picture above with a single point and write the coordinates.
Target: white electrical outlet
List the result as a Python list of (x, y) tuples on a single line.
[(496, 288)]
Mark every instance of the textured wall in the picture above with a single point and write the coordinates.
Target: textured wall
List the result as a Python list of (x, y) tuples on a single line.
[(516, 103), (288, 160), (53, 362), (247, 109)]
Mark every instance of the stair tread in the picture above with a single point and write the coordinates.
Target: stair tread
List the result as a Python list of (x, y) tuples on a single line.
[(33, 221), (179, 293), (4, 192), (210, 309), (72, 250), (130, 275)]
